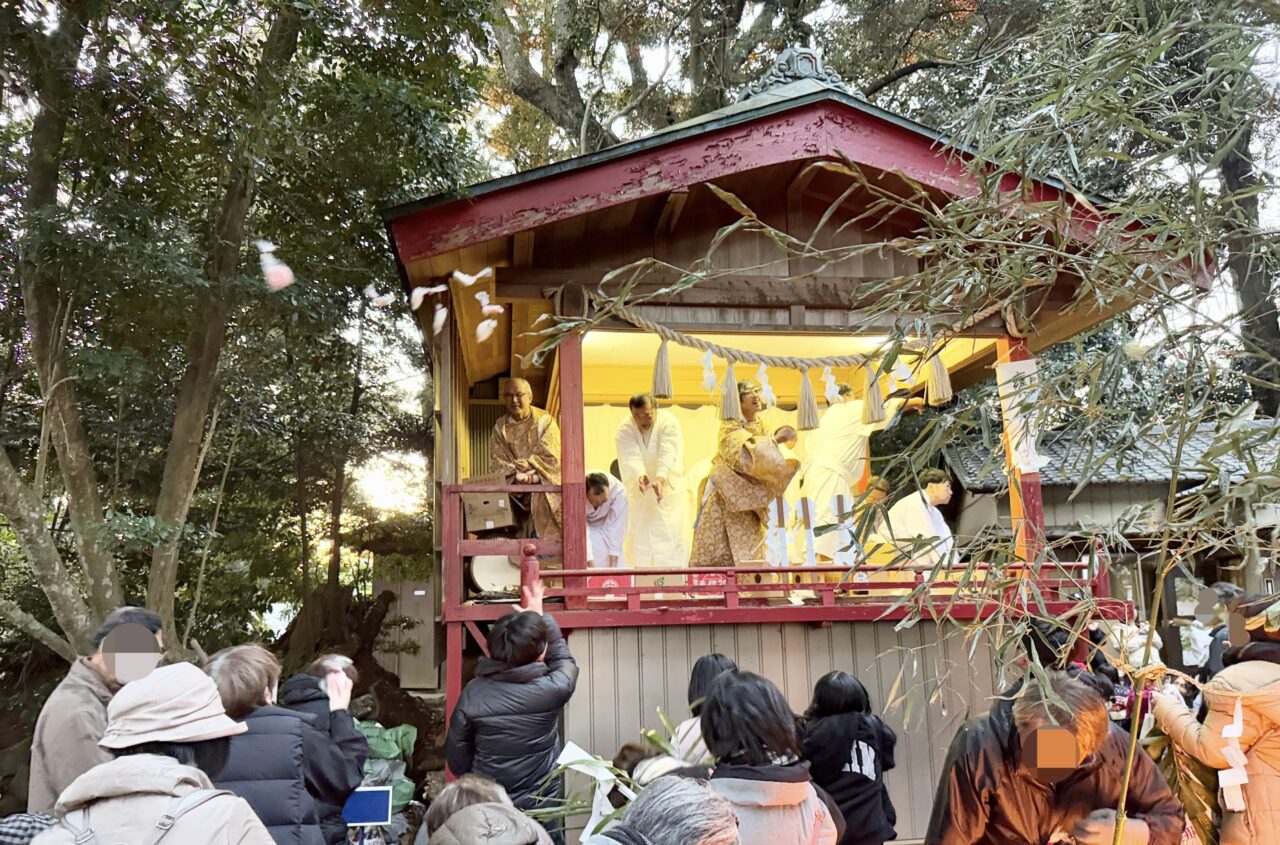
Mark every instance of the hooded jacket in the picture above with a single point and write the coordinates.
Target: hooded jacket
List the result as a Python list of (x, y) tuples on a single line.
[(302, 694), (279, 765), (506, 723), (127, 796), (65, 745), (1253, 668), (490, 824), (984, 794), (848, 755), (777, 805)]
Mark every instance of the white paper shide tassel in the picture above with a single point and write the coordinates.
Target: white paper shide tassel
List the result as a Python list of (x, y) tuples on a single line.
[(767, 396), (709, 372)]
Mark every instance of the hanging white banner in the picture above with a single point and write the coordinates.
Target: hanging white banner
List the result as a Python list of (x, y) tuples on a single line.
[(1019, 383)]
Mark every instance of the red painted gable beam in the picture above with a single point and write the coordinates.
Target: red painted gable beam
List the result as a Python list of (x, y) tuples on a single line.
[(819, 129)]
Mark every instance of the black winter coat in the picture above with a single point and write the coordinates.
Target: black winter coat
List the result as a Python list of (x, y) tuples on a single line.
[(506, 724), (848, 754), (278, 765), (303, 694), (984, 794)]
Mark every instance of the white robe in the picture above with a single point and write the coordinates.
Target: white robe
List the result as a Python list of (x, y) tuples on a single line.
[(607, 527), (659, 533), (913, 517), (837, 453)]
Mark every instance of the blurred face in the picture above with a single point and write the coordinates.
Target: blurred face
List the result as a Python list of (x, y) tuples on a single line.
[(643, 417), (130, 652), (1049, 753), (750, 402), (518, 399), (939, 493), (597, 499)]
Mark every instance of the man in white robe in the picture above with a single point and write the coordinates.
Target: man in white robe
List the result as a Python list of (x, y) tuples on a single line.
[(837, 454), (917, 528), (606, 521), (651, 460)]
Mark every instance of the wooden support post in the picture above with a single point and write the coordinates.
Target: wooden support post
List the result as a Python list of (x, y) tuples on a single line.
[(454, 638), (1026, 503), (573, 470)]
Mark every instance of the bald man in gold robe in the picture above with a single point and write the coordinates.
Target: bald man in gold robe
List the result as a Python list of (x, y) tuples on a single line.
[(525, 447)]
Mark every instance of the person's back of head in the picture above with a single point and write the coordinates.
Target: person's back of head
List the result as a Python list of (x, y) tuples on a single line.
[(323, 665), (679, 810), (1047, 644), (1071, 703), (464, 792), (838, 692), (746, 721), (518, 639), (705, 670), (246, 676), (175, 711)]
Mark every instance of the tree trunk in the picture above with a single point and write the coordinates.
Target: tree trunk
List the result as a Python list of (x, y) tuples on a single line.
[(54, 89), (204, 346), (305, 534), (334, 613), (1253, 272)]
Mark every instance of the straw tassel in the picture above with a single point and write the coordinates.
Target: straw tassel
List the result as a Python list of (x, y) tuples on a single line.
[(662, 373), (872, 398), (807, 411), (937, 381), (730, 406)]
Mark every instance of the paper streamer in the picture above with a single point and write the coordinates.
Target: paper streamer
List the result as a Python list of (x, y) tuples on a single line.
[(1230, 780), (578, 760), (831, 391), (846, 554), (776, 536), (766, 390), (810, 540), (709, 380)]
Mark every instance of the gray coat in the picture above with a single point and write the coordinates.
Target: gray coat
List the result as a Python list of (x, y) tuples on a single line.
[(65, 745)]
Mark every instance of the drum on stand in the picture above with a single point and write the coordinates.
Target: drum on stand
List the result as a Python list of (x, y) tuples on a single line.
[(494, 578)]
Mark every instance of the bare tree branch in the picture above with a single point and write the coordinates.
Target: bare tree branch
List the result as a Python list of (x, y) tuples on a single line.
[(904, 72), (32, 626)]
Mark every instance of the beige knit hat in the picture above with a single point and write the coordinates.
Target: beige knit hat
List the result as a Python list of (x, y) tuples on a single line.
[(177, 703)]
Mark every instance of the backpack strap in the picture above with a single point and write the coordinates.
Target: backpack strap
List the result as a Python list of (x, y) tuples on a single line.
[(77, 822), (177, 809)]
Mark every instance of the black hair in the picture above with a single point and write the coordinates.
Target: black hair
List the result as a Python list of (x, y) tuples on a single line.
[(838, 692), (209, 756), (642, 400), (598, 482), (1048, 643), (932, 475), (518, 639), (124, 616), (745, 720), (705, 670)]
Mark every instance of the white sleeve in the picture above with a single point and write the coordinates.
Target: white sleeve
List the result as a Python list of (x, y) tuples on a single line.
[(670, 447), (630, 457)]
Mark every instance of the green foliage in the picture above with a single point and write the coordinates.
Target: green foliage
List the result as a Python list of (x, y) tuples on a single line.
[(370, 116)]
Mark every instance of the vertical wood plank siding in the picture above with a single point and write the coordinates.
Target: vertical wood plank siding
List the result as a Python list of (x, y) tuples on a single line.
[(629, 673)]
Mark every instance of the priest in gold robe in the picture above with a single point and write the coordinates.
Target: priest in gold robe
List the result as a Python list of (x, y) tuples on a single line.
[(525, 447), (748, 473)]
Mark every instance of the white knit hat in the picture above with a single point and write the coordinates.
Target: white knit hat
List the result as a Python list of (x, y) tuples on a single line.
[(177, 703)]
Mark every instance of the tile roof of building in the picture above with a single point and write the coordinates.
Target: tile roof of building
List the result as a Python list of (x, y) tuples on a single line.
[(1071, 456)]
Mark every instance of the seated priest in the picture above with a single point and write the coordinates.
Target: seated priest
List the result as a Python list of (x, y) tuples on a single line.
[(606, 520), (917, 533), (525, 447)]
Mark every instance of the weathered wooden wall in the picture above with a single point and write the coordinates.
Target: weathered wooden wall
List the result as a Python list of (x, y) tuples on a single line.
[(629, 673)]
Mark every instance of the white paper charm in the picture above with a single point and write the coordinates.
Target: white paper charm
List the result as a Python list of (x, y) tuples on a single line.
[(776, 537), (1235, 730), (766, 390), (575, 758), (810, 541), (831, 391), (709, 380)]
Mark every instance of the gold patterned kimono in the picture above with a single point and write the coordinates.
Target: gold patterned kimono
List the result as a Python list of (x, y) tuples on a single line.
[(536, 440), (747, 474)]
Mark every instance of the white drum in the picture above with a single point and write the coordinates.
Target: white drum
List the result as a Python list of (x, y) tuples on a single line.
[(495, 574)]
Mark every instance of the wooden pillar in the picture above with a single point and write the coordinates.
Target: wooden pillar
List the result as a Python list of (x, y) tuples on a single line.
[(455, 637), (573, 469), (1026, 504)]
